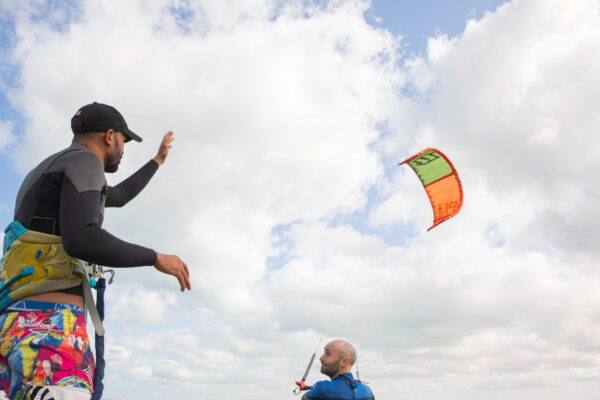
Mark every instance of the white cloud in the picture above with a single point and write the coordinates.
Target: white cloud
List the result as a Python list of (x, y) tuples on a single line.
[(6, 136), (143, 306), (276, 110), (500, 99)]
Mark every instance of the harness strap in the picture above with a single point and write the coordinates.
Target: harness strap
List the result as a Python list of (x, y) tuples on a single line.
[(99, 343), (88, 298), (351, 382)]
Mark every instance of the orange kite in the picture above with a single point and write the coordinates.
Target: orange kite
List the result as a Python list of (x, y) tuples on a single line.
[(441, 181)]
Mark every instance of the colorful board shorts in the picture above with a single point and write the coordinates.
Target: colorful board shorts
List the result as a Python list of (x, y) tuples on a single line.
[(45, 344)]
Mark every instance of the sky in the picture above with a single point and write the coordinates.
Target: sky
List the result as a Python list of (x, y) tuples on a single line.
[(283, 192)]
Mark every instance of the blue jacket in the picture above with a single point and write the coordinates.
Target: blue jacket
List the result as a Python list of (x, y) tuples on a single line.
[(342, 387)]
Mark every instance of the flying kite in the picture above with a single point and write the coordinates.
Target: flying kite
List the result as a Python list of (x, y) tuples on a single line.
[(440, 180)]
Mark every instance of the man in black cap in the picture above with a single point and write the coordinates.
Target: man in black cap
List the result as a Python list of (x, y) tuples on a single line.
[(63, 199)]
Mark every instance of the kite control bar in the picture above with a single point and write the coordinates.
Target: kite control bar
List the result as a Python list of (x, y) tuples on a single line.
[(301, 385)]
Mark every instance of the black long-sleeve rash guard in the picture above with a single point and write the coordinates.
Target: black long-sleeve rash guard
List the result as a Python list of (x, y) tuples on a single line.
[(65, 195), (118, 196), (83, 237)]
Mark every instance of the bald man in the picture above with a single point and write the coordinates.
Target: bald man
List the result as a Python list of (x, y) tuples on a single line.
[(336, 362)]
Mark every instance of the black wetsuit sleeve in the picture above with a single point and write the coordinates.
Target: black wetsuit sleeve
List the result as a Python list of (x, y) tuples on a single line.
[(118, 196), (84, 238)]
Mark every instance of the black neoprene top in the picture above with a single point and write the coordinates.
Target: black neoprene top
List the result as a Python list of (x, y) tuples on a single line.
[(66, 194)]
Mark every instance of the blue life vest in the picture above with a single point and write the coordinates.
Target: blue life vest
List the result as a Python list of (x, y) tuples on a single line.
[(342, 387)]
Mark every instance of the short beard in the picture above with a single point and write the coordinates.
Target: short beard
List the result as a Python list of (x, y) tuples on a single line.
[(113, 160), (333, 369)]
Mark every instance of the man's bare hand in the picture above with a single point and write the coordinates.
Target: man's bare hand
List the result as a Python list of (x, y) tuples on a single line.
[(163, 150), (173, 265)]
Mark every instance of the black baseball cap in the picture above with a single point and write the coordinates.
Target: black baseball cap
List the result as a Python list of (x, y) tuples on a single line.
[(97, 117)]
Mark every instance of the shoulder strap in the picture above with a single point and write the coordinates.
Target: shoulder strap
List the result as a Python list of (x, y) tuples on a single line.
[(350, 381)]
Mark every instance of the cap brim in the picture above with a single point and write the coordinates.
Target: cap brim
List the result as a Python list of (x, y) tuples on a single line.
[(129, 135)]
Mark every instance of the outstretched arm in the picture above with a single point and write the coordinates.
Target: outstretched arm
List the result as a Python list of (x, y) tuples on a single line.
[(125, 191), (118, 196), (83, 238)]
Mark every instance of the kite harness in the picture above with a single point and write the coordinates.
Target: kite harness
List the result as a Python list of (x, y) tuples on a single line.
[(35, 262)]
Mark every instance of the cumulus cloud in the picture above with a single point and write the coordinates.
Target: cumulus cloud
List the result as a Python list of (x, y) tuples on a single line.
[(6, 135), (281, 191), (144, 307), (505, 102), (502, 101)]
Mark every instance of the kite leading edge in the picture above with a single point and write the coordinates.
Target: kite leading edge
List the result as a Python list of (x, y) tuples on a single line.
[(440, 180)]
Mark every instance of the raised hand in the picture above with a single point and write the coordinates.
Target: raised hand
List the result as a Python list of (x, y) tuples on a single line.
[(163, 150)]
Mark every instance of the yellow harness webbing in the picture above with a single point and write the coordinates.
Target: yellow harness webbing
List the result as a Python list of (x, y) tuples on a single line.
[(36, 262)]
